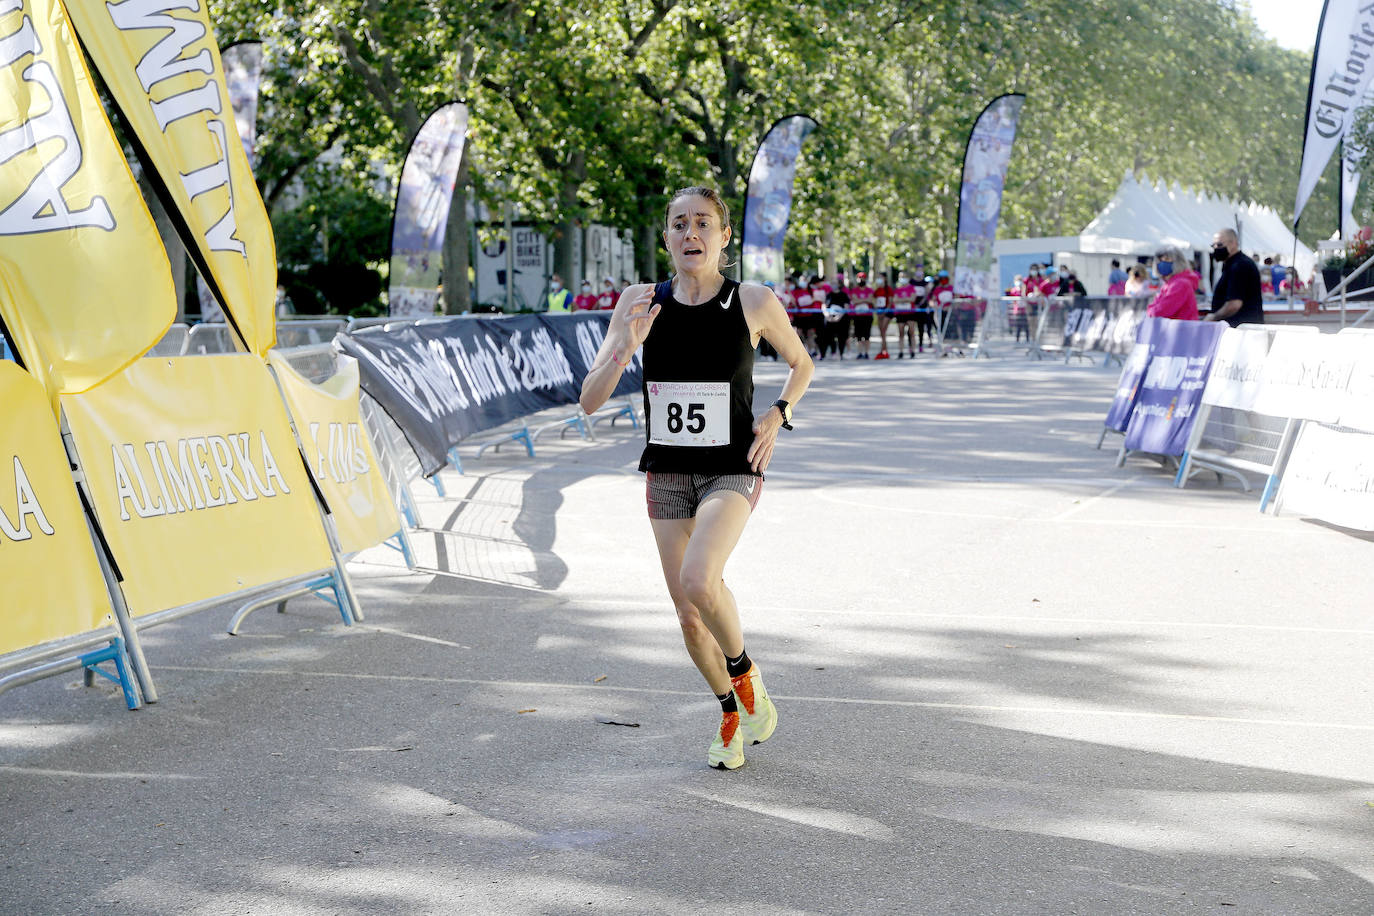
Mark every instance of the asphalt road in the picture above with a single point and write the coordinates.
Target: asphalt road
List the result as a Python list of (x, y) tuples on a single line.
[(1012, 678)]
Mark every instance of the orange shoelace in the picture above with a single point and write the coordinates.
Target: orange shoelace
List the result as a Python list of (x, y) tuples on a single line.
[(729, 724), (744, 690)]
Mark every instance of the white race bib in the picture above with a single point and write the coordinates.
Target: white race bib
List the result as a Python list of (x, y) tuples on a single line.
[(881, 302), (691, 414)]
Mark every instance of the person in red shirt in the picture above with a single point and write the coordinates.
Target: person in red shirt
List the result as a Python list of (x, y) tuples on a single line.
[(808, 321), (1178, 297), (941, 298), (882, 305), (585, 300), (608, 294)]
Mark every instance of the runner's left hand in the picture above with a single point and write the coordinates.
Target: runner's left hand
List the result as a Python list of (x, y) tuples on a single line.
[(765, 435)]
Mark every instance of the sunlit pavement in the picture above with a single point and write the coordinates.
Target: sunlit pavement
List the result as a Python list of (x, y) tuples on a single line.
[(1012, 678)]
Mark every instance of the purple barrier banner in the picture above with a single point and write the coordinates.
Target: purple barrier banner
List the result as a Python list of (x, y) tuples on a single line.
[(1171, 391), (768, 207), (422, 201), (1132, 373), (980, 198)]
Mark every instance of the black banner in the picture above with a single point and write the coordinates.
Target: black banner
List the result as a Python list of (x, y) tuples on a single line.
[(442, 381)]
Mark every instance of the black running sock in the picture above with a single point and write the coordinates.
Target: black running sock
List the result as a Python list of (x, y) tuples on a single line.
[(727, 702), (737, 666)]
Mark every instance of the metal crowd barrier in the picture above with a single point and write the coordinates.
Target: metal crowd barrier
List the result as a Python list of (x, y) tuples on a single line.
[(173, 343), (217, 337), (1048, 317), (1227, 441)]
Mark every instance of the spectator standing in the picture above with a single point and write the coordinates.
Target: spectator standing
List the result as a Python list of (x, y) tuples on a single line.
[(1280, 274), (559, 300), (808, 319), (1016, 308), (940, 300), (1236, 298), (864, 299), (836, 328), (1069, 284), (606, 300), (1049, 282), (1136, 281), (586, 299), (1116, 280), (1177, 298), (906, 297), (884, 302)]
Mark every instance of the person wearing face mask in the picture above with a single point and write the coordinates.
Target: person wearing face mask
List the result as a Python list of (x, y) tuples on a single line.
[(1236, 299), (586, 299), (607, 298), (560, 300), (706, 450), (1177, 297)]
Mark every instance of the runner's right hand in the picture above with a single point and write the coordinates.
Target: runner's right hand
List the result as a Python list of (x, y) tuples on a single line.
[(639, 317)]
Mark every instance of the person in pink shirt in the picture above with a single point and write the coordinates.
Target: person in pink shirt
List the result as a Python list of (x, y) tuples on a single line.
[(809, 320), (1177, 298), (585, 300), (907, 296), (861, 304)]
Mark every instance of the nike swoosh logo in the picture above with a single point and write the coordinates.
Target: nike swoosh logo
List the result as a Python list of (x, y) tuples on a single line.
[(749, 486), (728, 299)]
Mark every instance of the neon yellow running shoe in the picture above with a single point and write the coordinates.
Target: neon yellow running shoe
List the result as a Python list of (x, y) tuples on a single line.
[(727, 750), (757, 714)]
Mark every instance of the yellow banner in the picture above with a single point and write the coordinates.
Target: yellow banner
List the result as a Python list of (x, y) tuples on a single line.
[(340, 453), (85, 287), (51, 581), (196, 479), (162, 65)]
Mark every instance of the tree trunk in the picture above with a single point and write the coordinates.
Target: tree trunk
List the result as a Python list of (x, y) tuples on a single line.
[(831, 258), (458, 246), (646, 253), (564, 244)]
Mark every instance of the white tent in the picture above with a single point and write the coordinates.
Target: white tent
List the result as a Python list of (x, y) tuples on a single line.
[(1143, 216)]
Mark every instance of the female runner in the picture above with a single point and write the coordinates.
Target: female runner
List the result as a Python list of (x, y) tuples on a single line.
[(706, 451)]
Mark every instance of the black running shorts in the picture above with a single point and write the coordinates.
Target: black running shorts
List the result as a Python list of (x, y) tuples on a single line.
[(677, 496)]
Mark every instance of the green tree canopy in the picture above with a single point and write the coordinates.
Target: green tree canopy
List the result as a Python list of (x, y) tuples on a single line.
[(583, 112)]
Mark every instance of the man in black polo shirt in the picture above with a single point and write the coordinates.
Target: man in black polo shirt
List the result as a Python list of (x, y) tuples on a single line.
[(1236, 299)]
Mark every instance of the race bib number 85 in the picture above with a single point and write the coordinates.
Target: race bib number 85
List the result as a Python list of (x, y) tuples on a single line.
[(689, 414)]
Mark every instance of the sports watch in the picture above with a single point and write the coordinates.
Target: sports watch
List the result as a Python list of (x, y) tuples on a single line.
[(786, 410)]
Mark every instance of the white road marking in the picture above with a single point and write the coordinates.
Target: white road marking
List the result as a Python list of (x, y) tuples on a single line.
[(78, 774), (416, 636)]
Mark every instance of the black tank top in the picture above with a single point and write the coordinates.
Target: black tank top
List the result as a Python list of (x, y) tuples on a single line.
[(698, 385)]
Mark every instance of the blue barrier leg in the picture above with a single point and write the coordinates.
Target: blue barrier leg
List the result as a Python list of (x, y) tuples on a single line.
[(455, 461), (401, 545), (438, 486), (1182, 477), (113, 653), (524, 436), (339, 602), (1269, 486)]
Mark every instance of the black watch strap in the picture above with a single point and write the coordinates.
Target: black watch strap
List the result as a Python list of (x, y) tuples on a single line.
[(785, 409)]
